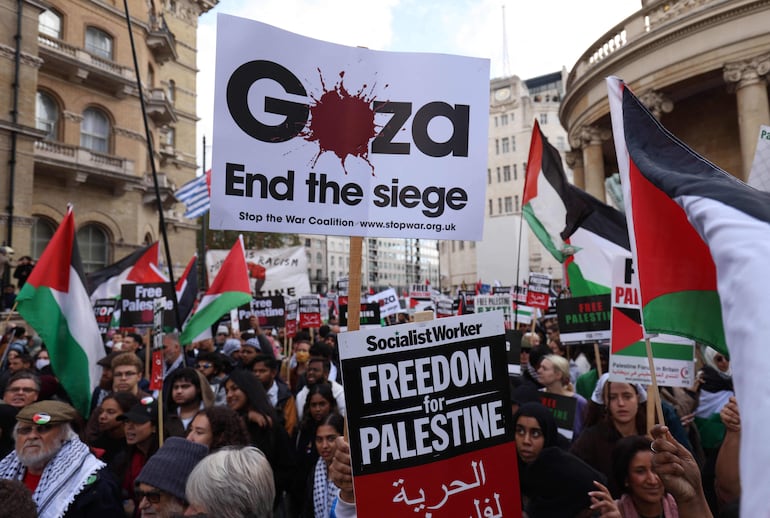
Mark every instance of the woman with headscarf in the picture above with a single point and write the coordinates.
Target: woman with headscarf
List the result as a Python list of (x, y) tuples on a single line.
[(553, 483), (247, 396), (616, 410), (716, 389)]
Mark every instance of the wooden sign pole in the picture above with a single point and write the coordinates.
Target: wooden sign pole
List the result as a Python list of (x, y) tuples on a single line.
[(653, 395)]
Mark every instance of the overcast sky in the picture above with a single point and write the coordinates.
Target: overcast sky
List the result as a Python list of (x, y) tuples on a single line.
[(543, 36)]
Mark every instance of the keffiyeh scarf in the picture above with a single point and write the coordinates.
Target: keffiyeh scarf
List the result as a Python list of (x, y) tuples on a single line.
[(324, 490), (63, 478)]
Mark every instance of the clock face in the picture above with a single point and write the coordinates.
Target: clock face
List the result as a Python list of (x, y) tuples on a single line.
[(502, 94)]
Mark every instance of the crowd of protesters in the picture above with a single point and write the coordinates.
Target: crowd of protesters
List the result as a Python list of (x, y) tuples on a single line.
[(246, 427)]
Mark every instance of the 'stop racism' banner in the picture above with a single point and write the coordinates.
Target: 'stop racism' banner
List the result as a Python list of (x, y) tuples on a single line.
[(318, 138), (272, 271)]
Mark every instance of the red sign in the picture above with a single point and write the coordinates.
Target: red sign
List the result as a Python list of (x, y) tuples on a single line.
[(156, 371), (538, 290)]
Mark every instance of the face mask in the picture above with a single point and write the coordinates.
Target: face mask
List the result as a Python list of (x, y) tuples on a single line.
[(302, 356), (42, 363)]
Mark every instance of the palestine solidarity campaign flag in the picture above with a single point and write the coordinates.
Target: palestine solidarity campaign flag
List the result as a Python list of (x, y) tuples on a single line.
[(701, 242), (229, 290), (55, 303), (576, 228)]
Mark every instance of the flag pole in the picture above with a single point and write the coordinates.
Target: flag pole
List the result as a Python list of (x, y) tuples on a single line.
[(202, 245), (653, 396), (151, 154)]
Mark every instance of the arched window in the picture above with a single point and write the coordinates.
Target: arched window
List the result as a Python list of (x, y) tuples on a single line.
[(94, 247), (42, 232), (99, 43), (47, 115), (95, 131), (49, 23)]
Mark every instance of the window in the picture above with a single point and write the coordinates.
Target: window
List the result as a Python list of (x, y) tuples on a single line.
[(473, 244), (99, 43), (543, 118), (515, 172), (516, 202), (491, 207), (169, 138), (42, 232), (319, 258), (318, 274), (497, 147), (150, 76), (495, 122), (506, 173), (95, 131), (504, 119), (47, 116), (172, 91), (334, 277), (513, 143), (489, 176), (307, 243), (49, 23), (499, 205), (498, 175), (506, 145), (508, 204), (331, 260), (462, 245), (453, 246), (93, 244)]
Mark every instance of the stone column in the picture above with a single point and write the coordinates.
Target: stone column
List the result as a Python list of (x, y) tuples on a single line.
[(591, 138), (575, 162), (747, 79), (658, 103)]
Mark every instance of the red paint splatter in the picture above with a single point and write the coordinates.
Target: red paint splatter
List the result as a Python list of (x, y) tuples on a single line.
[(341, 123)]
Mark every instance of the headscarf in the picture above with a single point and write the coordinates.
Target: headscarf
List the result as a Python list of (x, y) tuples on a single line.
[(544, 418), (709, 353), (598, 395)]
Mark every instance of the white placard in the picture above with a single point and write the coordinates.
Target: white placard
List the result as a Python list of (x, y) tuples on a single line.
[(314, 137)]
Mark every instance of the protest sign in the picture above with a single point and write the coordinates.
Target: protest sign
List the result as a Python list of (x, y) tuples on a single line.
[(467, 304), (563, 409), (370, 314), (270, 311), (156, 370), (387, 300), (496, 290), (309, 311), (137, 304), (584, 319), (103, 311), (523, 314), (519, 294), (409, 161), (290, 324), (673, 355), (539, 290), (445, 308), (500, 302), (272, 271), (342, 291), (513, 351), (429, 418)]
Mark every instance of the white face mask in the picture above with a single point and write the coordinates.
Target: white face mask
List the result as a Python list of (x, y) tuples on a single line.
[(39, 364)]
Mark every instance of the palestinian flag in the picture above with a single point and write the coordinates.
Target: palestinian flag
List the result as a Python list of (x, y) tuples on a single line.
[(701, 241), (55, 303), (601, 236), (576, 228), (551, 213), (229, 290), (140, 267), (187, 289)]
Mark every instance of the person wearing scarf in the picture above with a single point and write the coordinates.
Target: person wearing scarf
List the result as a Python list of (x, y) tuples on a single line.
[(553, 483), (65, 479), (322, 488)]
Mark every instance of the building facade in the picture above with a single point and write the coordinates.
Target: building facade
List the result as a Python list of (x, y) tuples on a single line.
[(509, 250), (75, 131), (700, 66)]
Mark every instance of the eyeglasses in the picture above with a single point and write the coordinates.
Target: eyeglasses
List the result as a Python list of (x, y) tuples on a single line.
[(25, 390), (124, 374), (203, 366), (41, 429), (152, 496)]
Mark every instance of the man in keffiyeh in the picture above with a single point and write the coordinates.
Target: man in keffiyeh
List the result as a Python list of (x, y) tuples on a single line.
[(64, 477)]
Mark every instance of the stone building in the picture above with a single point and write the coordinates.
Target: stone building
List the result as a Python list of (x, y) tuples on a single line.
[(701, 67), (71, 129)]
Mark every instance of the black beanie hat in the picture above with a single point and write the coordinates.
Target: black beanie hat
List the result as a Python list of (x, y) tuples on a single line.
[(170, 466)]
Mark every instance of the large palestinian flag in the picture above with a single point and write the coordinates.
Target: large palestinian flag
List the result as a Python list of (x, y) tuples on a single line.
[(229, 290), (701, 241), (55, 303)]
